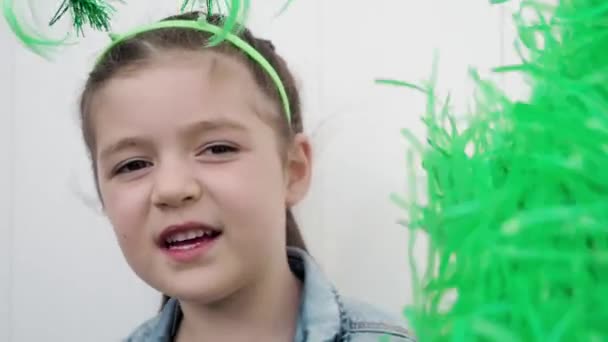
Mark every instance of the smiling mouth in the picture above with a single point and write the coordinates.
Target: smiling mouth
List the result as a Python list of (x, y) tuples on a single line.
[(189, 239)]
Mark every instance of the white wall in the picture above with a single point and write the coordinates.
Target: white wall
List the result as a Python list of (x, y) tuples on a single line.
[(362, 157), (62, 275), (7, 150)]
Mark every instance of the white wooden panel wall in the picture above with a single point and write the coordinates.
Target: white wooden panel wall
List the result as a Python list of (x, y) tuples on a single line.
[(62, 277)]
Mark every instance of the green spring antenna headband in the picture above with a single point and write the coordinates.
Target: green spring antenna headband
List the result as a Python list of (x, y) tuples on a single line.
[(97, 14)]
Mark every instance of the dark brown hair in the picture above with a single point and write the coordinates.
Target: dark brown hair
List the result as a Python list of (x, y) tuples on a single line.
[(147, 45)]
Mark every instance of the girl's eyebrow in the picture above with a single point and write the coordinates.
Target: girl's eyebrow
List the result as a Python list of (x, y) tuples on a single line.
[(120, 145), (206, 126), (191, 130)]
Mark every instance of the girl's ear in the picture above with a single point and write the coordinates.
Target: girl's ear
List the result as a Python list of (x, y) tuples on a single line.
[(299, 168)]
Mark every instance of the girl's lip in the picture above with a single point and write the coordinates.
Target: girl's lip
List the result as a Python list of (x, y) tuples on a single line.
[(192, 251), (183, 227)]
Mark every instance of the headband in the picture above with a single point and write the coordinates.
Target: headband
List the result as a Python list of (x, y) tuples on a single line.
[(98, 13)]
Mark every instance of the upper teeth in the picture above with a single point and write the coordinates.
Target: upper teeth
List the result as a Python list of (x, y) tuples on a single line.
[(187, 235)]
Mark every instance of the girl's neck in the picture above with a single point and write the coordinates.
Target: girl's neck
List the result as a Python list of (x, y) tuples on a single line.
[(267, 310)]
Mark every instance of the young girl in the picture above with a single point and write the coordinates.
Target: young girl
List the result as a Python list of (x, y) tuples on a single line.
[(197, 163)]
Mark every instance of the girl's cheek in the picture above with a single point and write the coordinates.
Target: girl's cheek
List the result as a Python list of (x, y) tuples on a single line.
[(126, 209)]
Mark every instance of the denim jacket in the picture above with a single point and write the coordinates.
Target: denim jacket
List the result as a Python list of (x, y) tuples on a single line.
[(324, 316)]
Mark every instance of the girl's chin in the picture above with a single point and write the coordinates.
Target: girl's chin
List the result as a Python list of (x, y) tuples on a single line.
[(200, 291)]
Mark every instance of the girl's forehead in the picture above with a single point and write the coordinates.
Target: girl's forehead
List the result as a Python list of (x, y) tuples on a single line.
[(204, 72), (168, 95), (198, 82)]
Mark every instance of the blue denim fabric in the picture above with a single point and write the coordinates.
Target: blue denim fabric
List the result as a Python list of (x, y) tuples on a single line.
[(325, 316)]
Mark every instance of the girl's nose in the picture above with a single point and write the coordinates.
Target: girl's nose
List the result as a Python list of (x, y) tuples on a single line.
[(175, 187)]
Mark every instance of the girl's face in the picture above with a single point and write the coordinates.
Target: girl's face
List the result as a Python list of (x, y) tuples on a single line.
[(191, 174)]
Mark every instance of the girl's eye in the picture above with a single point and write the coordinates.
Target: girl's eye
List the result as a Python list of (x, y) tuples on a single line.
[(219, 149), (132, 166)]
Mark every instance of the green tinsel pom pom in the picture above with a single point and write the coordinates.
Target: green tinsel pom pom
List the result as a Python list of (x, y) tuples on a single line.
[(516, 212), (94, 13)]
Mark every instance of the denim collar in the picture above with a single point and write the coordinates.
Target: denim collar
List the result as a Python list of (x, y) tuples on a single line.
[(321, 316)]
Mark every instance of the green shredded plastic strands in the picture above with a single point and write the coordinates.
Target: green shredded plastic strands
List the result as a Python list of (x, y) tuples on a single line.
[(516, 212)]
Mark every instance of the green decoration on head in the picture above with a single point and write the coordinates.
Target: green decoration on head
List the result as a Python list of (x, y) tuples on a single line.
[(35, 41), (517, 201), (95, 13), (237, 11), (98, 14)]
